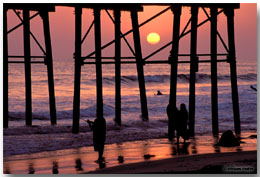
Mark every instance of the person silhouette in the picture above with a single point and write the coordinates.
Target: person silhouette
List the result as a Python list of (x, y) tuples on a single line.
[(99, 135), (182, 122), (159, 92), (253, 88), (172, 113)]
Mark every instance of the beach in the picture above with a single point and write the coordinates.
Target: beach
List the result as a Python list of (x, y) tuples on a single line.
[(177, 69), (42, 146), (40, 155)]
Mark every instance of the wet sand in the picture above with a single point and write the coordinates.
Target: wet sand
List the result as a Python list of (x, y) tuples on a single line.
[(82, 160), (217, 163)]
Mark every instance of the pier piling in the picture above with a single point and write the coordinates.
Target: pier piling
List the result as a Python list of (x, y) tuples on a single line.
[(173, 59), (117, 67), (233, 71), (78, 63), (5, 69), (193, 68), (98, 62), (214, 84), (47, 37), (27, 64), (139, 64)]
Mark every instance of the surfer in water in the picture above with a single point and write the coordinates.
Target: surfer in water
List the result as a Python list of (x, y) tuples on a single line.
[(253, 88), (159, 92)]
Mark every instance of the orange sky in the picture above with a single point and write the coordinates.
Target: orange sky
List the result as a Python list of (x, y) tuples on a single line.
[(62, 32)]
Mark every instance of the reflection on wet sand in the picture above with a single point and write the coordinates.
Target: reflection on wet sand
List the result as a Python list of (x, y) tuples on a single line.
[(120, 153), (216, 148), (101, 164), (120, 159), (7, 170), (84, 159), (55, 168), (78, 165), (31, 168), (193, 145)]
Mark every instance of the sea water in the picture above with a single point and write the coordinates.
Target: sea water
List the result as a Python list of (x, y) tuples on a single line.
[(157, 77)]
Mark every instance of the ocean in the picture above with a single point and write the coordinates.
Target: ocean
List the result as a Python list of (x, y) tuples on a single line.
[(157, 77)]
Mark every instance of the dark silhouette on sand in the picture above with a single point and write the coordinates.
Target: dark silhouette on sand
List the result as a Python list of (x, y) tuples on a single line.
[(172, 113), (99, 135), (228, 139), (120, 159), (55, 167), (7, 170), (148, 156), (78, 165), (31, 169), (182, 122), (101, 164), (177, 120), (253, 88)]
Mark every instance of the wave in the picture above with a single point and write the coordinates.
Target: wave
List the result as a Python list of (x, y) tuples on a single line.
[(183, 78), (67, 114)]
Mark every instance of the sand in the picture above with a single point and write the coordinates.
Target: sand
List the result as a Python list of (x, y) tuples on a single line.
[(230, 162), (164, 157)]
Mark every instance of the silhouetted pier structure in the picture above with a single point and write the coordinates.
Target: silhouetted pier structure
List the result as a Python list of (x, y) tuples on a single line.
[(137, 58), (42, 10)]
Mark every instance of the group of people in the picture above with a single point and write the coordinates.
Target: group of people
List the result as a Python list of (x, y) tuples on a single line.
[(177, 121)]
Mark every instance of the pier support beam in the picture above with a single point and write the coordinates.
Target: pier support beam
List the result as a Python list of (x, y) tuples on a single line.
[(5, 69), (140, 63), (233, 71), (214, 84), (78, 63), (173, 59), (27, 64), (47, 37), (98, 63), (117, 67), (193, 68)]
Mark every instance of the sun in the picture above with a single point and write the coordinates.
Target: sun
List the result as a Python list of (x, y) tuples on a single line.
[(153, 38)]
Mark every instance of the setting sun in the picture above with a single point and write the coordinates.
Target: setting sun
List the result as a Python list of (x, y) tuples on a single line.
[(153, 38)]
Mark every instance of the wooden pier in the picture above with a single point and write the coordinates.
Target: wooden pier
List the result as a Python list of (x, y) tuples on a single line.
[(98, 60)]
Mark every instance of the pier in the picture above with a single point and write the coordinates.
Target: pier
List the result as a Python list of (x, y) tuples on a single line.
[(96, 58)]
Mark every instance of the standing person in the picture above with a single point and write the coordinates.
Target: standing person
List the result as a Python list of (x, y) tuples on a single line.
[(172, 113), (99, 135), (183, 122)]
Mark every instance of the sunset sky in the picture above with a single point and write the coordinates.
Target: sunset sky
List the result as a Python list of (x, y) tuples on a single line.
[(62, 32)]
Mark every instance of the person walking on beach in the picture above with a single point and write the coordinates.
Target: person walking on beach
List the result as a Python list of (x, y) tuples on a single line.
[(99, 135), (172, 113), (182, 122)]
